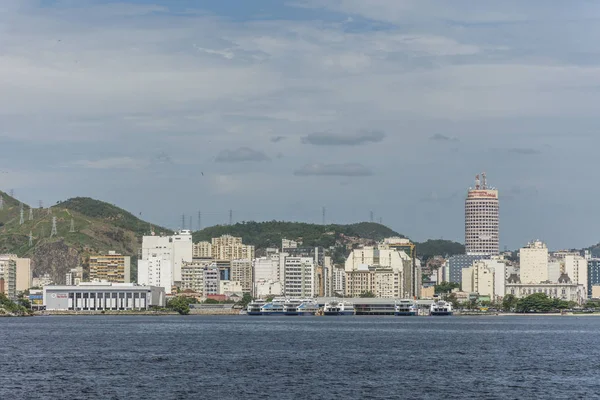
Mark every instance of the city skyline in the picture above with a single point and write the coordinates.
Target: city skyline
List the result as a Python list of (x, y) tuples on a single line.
[(275, 110)]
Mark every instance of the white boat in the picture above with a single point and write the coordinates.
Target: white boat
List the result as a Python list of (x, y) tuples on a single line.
[(308, 308), (338, 308), (440, 307), (406, 307), (254, 307), (274, 307)]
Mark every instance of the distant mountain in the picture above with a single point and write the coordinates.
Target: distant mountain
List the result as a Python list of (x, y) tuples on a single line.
[(98, 226), (269, 234)]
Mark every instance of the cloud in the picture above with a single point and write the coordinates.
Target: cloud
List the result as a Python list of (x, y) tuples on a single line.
[(277, 139), (334, 139), (443, 138), (112, 163), (349, 169), (242, 154), (523, 150)]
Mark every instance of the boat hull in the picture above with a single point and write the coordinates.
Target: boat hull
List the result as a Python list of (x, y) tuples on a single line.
[(272, 313), (441, 313), (254, 313), (338, 313), (405, 313)]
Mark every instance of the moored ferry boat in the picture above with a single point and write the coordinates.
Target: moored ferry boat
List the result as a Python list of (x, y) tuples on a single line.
[(273, 308), (254, 307), (308, 308), (406, 308), (440, 307), (338, 308), (291, 307)]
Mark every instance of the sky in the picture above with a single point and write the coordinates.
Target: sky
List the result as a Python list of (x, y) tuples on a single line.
[(275, 109)]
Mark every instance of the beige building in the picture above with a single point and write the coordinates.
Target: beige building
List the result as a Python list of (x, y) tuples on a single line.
[(534, 262), (202, 250), (479, 278), (192, 275), (577, 269), (23, 271), (482, 219), (227, 248), (241, 271), (230, 288), (8, 277), (596, 292), (112, 267), (383, 282), (378, 261)]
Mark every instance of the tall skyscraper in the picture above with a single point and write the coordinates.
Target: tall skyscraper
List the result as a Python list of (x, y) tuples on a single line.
[(482, 219)]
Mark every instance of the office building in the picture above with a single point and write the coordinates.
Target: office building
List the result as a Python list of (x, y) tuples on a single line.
[(299, 277), (111, 267), (383, 282), (480, 279), (99, 296), (576, 267), (338, 281), (212, 280), (162, 258), (231, 288), (23, 272), (8, 277), (241, 271), (533, 261), (264, 289), (456, 263), (593, 274), (192, 275), (227, 248), (266, 268), (482, 219)]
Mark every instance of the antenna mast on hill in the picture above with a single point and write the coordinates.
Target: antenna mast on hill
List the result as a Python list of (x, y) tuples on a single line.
[(22, 218), (12, 193), (371, 216), (72, 230), (30, 238), (190, 226), (323, 215), (41, 204), (230, 217), (182, 221), (54, 231), (30, 214), (1, 203)]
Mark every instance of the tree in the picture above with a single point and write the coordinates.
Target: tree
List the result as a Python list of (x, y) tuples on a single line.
[(211, 301), (179, 304), (446, 287), (367, 294), (246, 299), (451, 298), (509, 302), (270, 298)]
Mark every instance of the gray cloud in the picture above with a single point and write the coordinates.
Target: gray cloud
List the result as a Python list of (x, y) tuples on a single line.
[(242, 154), (523, 150), (335, 139), (443, 138), (276, 139), (349, 169)]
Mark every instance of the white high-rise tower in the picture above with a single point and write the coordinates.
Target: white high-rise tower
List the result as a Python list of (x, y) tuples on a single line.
[(482, 219)]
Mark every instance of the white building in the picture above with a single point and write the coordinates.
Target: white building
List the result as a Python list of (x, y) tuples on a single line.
[(564, 289), (577, 269), (534, 262), (212, 280), (192, 275), (338, 281), (482, 219), (162, 259), (555, 268), (266, 268), (479, 278), (264, 289), (230, 288), (227, 248), (95, 296), (299, 277)]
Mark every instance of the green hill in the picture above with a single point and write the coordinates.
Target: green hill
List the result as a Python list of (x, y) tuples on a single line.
[(439, 247), (269, 234), (98, 227)]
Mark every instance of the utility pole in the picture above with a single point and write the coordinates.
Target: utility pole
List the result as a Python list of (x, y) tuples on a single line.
[(182, 221), (54, 231), (199, 220), (323, 215), (30, 214), (371, 216)]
